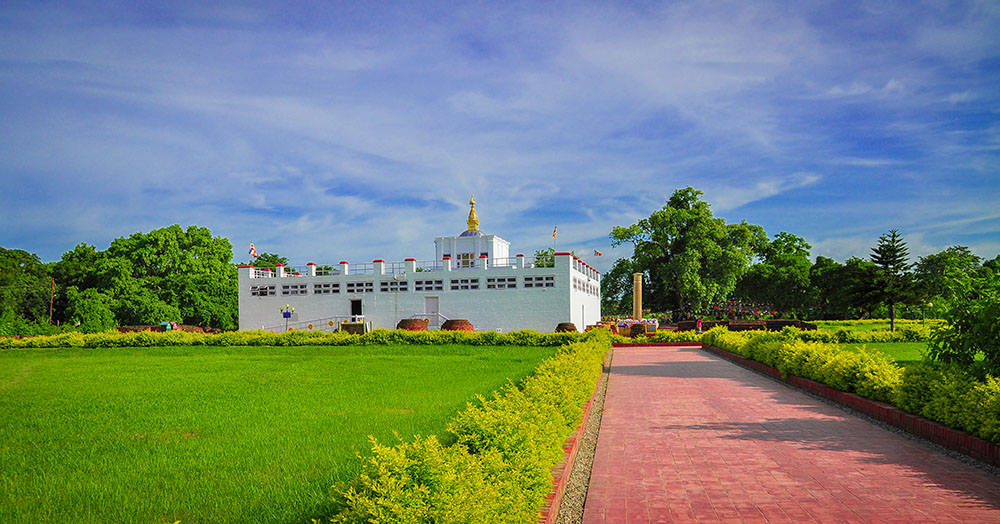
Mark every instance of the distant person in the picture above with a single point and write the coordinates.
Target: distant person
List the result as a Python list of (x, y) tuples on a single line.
[(699, 324)]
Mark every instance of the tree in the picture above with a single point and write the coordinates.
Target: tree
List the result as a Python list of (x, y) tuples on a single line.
[(616, 287), (933, 273), (894, 279), (545, 257), (689, 256), (781, 278), (972, 323), (842, 291), (91, 310), (268, 260), (24, 286)]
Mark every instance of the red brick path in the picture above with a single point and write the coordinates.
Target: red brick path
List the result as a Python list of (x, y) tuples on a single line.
[(689, 437)]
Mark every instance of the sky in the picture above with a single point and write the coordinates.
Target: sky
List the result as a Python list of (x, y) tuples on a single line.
[(328, 131)]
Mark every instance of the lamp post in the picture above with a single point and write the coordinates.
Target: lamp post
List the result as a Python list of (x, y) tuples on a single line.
[(287, 313), (923, 315)]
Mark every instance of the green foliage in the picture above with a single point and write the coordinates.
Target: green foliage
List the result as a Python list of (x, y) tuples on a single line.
[(948, 394), (90, 309), (781, 278), (843, 290), (24, 289), (973, 323), (933, 273), (499, 468), (895, 283), (293, 338), (688, 255), (616, 288), (545, 257)]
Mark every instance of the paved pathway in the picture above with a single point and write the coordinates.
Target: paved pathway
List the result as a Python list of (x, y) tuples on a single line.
[(689, 437)]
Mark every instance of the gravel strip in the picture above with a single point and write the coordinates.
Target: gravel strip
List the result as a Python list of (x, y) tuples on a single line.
[(575, 494)]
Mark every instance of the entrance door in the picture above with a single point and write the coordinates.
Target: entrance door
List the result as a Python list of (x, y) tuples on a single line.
[(357, 314), (431, 310)]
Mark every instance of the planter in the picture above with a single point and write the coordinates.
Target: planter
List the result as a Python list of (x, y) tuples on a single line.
[(413, 324), (353, 328), (637, 330), (457, 325), (563, 327)]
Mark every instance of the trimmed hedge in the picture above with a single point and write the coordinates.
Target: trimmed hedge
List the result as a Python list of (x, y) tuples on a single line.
[(291, 338), (940, 392), (499, 469)]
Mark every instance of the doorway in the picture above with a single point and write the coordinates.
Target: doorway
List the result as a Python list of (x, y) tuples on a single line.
[(431, 311), (357, 313)]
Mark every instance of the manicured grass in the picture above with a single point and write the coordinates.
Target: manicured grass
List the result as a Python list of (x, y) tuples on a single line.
[(214, 434), (905, 353)]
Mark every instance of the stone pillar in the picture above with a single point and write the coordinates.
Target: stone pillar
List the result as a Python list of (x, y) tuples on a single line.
[(280, 270), (410, 265), (637, 296), (311, 269), (520, 261), (344, 267)]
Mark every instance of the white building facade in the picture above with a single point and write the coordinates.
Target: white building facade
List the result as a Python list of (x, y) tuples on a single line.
[(472, 278)]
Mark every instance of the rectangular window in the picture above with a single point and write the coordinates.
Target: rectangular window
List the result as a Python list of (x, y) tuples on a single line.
[(464, 284), (394, 286), (326, 288), (293, 289), (428, 285), (540, 281), (261, 291), (466, 260), (501, 283), (360, 287)]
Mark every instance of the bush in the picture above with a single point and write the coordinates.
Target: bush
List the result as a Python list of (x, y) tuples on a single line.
[(500, 467)]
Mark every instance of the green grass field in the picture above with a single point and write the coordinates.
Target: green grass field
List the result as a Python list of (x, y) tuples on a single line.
[(210, 434), (905, 353), (872, 325)]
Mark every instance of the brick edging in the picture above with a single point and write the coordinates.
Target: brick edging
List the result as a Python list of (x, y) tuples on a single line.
[(561, 471), (620, 345), (953, 439)]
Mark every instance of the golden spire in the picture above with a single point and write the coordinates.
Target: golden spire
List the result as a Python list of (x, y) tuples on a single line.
[(473, 218)]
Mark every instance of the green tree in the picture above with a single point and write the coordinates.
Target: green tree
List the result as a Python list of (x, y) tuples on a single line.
[(689, 256), (973, 323), (171, 273), (894, 278), (781, 278), (90, 310), (269, 261), (545, 257), (616, 287), (843, 291), (933, 273), (25, 286)]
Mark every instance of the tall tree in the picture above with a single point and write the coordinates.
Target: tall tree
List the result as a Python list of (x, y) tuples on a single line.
[(616, 287), (842, 291), (689, 256), (24, 287), (933, 273), (781, 278), (894, 279)]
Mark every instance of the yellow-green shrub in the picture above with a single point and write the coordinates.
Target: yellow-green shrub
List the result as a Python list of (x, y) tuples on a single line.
[(500, 467)]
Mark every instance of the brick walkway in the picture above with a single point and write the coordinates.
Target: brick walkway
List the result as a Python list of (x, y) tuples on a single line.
[(689, 437)]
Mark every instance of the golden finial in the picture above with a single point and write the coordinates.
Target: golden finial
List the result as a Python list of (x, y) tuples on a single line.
[(473, 218)]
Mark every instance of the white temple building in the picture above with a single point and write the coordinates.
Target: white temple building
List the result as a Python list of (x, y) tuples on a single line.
[(472, 277)]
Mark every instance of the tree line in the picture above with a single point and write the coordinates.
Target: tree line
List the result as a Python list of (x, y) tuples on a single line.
[(168, 274), (692, 261)]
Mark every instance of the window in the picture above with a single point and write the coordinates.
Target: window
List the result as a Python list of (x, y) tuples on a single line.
[(394, 286), (466, 260), (261, 291), (293, 289), (540, 281), (327, 288), (428, 285), (463, 284), (501, 283), (360, 287)]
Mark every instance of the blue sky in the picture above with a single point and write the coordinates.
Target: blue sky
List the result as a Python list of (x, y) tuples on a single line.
[(358, 130)]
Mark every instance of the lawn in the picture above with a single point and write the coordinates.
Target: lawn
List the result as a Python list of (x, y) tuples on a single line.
[(905, 353), (214, 434)]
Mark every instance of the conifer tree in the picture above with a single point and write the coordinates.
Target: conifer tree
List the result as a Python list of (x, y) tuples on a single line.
[(894, 279)]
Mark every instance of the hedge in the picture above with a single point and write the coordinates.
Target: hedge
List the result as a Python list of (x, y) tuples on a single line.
[(940, 392), (499, 467), (291, 338)]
